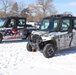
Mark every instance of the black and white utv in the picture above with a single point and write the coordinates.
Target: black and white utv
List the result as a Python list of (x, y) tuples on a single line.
[(56, 32)]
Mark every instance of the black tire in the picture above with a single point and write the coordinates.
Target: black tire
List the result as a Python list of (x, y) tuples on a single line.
[(48, 51), (29, 48)]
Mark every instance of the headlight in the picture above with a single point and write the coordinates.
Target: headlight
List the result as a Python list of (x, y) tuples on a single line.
[(46, 38)]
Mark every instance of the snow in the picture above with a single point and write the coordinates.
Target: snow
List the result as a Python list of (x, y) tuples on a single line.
[(16, 60)]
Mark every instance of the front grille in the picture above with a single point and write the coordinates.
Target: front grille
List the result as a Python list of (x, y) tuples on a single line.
[(36, 39)]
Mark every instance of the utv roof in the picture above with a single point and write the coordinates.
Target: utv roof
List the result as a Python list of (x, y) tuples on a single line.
[(12, 17), (60, 16)]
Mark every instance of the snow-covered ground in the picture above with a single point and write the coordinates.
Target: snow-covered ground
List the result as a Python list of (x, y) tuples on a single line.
[(16, 60)]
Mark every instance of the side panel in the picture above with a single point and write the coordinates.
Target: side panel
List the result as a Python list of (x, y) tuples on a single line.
[(63, 40), (73, 43), (6, 32), (9, 33)]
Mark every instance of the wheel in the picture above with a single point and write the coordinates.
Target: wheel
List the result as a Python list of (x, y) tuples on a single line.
[(48, 51), (29, 48)]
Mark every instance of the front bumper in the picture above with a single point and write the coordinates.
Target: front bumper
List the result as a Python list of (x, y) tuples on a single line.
[(34, 46), (36, 42)]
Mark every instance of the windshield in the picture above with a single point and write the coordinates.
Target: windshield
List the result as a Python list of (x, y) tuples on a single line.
[(49, 25), (2, 21)]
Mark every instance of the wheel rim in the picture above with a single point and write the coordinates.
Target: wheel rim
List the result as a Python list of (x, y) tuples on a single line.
[(50, 51)]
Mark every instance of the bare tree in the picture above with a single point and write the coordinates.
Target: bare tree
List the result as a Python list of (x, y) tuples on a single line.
[(21, 6), (25, 12), (42, 8), (6, 4), (14, 9), (2, 14)]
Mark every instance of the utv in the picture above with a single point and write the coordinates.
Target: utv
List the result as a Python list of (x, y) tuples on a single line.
[(56, 32), (14, 28)]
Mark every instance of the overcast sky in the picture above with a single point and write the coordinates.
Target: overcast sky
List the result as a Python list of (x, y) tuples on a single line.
[(60, 5)]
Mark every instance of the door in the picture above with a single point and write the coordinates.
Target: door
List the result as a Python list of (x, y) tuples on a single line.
[(8, 29), (21, 23), (73, 43), (65, 36)]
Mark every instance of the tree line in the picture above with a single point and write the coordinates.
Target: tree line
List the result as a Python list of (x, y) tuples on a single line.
[(33, 12)]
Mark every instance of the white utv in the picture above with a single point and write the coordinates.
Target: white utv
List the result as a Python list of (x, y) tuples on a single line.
[(56, 32)]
